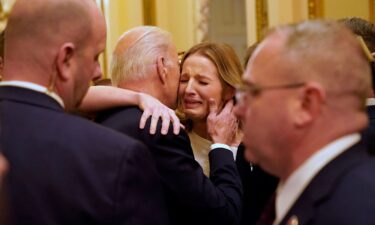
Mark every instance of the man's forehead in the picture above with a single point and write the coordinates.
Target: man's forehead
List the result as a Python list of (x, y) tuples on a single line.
[(265, 59)]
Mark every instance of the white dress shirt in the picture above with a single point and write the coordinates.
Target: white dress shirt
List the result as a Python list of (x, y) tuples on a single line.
[(370, 101), (34, 87), (201, 147), (289, 191)]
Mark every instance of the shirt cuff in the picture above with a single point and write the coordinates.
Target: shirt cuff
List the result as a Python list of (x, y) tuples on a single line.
[(232, 149), (219, 145)]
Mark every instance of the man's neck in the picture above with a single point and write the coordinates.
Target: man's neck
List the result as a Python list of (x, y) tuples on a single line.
[(146, 87)]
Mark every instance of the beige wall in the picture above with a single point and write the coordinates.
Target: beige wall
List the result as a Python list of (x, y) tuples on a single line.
[(175, 16), (181, 17), (121, 15), (251, 22), (337, 9), (286, 11), (178, 17)]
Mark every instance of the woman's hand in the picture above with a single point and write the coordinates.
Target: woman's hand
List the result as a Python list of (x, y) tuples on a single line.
[(154, 108)]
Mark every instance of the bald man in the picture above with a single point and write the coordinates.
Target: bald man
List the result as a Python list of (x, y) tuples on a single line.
[(313, 142), (64, 169)]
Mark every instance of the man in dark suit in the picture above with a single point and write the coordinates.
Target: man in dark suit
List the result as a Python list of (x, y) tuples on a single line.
[(65, 169), (313, 143), (145, 60), (366, 30)]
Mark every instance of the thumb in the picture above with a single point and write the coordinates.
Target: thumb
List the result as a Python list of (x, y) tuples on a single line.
[(212, 106)]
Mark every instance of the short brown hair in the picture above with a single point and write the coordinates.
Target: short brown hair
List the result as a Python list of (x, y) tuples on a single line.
[(366, 30)]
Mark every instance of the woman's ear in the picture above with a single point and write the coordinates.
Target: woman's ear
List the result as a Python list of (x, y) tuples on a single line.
[(229, 93), (162, 69), (64, 61)]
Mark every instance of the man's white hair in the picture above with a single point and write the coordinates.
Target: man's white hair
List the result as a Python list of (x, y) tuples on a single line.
[(134, 61)]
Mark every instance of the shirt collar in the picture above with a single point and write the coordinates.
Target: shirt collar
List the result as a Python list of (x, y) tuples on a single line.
[(289, 191), (34, 87), (370, 101)]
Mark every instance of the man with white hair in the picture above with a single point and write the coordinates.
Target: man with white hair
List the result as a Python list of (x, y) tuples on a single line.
[(317, 77), (145, 60), (65, 169)]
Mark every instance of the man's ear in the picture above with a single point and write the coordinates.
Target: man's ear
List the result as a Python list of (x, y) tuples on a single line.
[(310, 104), (64, 60), (162, 69)]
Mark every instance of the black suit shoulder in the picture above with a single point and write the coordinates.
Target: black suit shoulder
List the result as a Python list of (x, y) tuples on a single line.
[(341, 193), (68, 170), (192, 197), (258, 187)]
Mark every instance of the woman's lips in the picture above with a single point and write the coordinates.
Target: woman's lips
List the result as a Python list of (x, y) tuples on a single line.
[(189, 103)]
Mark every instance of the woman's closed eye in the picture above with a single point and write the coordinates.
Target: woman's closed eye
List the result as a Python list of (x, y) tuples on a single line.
[(184, 80), (203, 83)]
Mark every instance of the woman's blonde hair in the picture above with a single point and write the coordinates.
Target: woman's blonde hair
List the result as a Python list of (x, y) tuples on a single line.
[(226, 62)]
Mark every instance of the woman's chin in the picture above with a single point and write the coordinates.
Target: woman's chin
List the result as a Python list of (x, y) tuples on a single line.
[(194, 115)]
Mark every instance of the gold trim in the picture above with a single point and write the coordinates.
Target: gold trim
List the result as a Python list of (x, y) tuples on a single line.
[(261, 18), (315, 9), (105, 63), (204, 17), (149, 12), (372, 11)]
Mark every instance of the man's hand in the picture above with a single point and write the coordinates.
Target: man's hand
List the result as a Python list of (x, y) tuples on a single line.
[(222, 126), (154, 108)]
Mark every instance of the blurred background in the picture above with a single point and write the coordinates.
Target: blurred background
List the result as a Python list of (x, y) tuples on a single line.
[(239, 23)]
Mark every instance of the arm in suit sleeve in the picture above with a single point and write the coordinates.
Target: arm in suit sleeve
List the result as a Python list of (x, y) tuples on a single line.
[(219, 198), (138, 195)]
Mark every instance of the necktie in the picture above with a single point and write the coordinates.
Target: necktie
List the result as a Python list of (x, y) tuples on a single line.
[(268, 215)]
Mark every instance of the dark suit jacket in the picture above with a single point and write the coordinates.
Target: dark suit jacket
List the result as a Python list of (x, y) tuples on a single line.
[(258, 187), (68, 170), (343, 192), (369, 133), (192, 198)]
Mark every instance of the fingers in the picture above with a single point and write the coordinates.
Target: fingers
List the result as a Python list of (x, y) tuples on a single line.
[(166, 114), (146, 114), (222, 126), (212, 106), (154, 121), (165, 124), (176, 122), (228, 107)]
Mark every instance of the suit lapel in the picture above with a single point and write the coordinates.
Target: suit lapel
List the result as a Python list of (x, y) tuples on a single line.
[(323, 184)]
